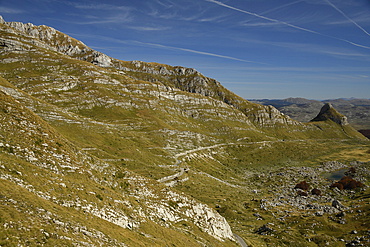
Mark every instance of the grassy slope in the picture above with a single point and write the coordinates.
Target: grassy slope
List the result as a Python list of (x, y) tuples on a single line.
[(137, 140), (34, 190)]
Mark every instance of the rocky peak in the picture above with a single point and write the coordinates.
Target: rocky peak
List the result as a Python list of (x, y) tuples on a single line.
[(328, 112), (60, 42)]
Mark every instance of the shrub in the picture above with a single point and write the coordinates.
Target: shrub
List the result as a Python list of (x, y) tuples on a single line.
[(119, 175), (302, 185), (316, 192), (337, 185), (347, 183), (352, 170), (302, 193)]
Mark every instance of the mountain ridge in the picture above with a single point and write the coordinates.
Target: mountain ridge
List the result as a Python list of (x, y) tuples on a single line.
[(175, 76)]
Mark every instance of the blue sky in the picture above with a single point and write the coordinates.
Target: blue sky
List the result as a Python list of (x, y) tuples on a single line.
[(316, 49)]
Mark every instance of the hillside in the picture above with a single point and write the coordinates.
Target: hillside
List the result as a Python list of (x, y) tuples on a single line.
[(99, 151)]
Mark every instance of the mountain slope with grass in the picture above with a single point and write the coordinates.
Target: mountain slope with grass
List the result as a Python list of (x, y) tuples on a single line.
[(44, 173), (111, 152)]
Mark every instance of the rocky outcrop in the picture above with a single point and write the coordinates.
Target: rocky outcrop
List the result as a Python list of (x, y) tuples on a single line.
[(101, 59), (57, 41), (270, 116), (328, 112)]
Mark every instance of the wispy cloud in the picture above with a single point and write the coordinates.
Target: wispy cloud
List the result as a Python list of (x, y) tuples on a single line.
[(315, 48), (6, 10), (182, 11), (166, 3), (103, 13), (287, 24), (361, 17), (101, 7), (197, 52), (260, 24), (347, 17), (272, 10), (120, 18), (147, 44), (148, 28)]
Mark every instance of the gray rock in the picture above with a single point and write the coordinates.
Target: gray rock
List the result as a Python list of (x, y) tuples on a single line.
[(337, 204), (341, 214), (319, 213), (264, 230), (101, 60)]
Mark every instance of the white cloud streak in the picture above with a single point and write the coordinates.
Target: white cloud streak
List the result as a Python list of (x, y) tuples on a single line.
[(135, 42), (148, 28), (347, 17), (197, 52), (101, 7), (121, 18), (10, 10), (279, 7), (287, 24)]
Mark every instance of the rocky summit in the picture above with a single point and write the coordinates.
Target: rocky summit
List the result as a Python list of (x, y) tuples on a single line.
[(328, 112), (96, 151)]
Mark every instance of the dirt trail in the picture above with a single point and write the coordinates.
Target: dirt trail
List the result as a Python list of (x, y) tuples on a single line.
[(182, 170)]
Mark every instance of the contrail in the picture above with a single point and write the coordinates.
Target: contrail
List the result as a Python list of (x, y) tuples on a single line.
[(279, 7), (286, 23), (197, 52), (171, 48), (347, 17)]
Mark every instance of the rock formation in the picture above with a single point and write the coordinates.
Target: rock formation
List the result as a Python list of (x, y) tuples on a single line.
[(328, 112)]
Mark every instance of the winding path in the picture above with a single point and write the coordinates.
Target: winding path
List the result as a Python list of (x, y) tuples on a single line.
[(240, 240), (177, 161)]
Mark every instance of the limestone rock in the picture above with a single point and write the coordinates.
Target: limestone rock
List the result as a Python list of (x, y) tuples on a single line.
[(264, 230), (328, 112), (101, 59), (337, 204)]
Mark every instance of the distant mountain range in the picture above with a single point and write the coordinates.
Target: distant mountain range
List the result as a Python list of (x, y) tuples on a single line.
[(304, 110)]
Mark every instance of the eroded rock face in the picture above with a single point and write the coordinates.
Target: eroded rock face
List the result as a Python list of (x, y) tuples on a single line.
[(101, 59), (52, 39), (269, 116)]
